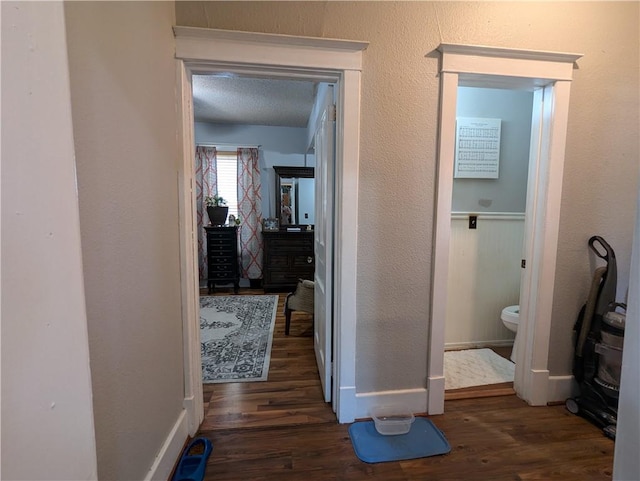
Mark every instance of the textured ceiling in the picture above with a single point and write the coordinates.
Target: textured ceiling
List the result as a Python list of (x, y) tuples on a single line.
[(233, 100)]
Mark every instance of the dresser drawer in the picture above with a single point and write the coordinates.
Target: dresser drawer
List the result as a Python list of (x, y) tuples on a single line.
[(302, 261), (291, 245), (286, 277), (224, 265), (278, 260), (220, 234), (226, 251)]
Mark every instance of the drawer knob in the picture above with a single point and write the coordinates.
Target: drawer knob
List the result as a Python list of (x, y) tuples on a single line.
[(309, 260)]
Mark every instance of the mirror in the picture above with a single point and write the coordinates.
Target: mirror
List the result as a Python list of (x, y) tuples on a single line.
[(295, 195)]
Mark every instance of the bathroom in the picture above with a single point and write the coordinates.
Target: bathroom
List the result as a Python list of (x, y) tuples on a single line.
[(487, 224)]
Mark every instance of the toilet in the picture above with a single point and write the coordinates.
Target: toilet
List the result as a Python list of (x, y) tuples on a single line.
[(510, 317)]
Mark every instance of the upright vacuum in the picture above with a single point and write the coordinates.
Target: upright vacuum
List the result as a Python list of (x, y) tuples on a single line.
[(599, 335)]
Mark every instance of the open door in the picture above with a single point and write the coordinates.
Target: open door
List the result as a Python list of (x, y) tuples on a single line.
[(323, 248)]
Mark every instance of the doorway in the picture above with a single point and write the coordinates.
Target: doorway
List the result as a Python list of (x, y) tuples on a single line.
[(275, 56), (487, 230), (282, 116), (548, 75)]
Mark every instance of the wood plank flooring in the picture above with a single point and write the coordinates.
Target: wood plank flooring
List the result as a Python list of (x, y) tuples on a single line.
[(282, 430), (292, 393)]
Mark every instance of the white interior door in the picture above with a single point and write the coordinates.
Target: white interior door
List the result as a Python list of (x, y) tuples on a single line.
[(323, 249)]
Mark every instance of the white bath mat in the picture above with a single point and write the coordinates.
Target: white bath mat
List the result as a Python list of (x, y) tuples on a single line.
[(475, 367)]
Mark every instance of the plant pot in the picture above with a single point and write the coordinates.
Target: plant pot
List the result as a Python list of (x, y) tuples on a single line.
[(217, 215)]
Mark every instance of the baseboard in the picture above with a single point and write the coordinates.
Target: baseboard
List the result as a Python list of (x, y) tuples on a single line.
[(414, 399), (170, 451), (561, 388), (194, 413), (347, 405), (450, 346), (435, 399)]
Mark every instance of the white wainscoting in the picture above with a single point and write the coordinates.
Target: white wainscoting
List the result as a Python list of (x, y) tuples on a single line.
[(484, 277)]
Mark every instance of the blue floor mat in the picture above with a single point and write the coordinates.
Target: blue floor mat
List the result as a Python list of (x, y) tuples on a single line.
[(424, 439)]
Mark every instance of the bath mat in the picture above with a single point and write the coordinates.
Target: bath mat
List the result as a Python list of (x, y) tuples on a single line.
[(476, 367), (423, 440)]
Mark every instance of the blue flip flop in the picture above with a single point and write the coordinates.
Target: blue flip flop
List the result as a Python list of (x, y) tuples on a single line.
[(192, 466)]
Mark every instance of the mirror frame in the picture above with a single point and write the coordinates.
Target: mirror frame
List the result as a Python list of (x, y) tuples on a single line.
[(286, 172)]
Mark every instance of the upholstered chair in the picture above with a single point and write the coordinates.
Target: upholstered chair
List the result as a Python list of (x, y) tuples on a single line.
[(300, 300)]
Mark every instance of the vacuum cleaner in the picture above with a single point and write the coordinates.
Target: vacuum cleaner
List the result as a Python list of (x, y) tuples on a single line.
[(599, 336)]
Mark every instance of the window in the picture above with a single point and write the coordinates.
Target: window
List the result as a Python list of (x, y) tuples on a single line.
[(227, 168)]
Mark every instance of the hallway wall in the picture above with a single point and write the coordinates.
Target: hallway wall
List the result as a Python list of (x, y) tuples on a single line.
[(398, 145), (123, 94), (47, 416)]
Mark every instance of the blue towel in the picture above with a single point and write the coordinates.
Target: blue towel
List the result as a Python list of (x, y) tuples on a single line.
[(424, 439)]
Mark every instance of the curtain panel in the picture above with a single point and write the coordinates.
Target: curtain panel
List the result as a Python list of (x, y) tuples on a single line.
[(249, 211), (206, 185)]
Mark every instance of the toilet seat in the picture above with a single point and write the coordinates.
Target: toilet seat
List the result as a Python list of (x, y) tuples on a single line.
[(510, 317), (511, 313)]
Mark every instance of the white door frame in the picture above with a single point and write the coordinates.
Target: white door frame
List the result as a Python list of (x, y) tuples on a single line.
[(201, 50), (550, 73)]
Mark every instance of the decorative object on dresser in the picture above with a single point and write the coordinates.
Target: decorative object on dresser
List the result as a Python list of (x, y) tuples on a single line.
[(222, 257), (270, 224), (217, 209), (288, 257)]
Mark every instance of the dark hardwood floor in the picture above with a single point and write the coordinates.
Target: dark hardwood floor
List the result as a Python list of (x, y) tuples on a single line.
[(282, 430), (292, 393)]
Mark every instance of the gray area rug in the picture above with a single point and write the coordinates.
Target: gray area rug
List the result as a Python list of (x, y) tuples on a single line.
[(236, 333), (475, 367)]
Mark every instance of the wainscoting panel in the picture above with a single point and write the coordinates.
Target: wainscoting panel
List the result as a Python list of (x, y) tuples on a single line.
[(484, 277)]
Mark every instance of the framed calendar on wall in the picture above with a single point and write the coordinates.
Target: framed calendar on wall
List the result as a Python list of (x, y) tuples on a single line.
[(477, 148)]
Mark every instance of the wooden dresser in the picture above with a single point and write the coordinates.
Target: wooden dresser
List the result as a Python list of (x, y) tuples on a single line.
[(222, 257), (288, 256)]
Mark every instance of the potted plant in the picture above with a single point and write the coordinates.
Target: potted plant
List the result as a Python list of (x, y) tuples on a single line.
[(217, 209)]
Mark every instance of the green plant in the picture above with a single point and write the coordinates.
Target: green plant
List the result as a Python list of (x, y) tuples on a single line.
[(215, 201)]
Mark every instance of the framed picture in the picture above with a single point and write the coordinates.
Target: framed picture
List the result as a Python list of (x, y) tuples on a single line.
[(270, 225)]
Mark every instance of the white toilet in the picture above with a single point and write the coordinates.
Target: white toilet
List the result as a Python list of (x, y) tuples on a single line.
[(511, 317)]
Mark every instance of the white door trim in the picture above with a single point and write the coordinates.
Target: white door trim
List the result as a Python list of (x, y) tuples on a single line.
[(190, 289), (201, 50), (489, 66)]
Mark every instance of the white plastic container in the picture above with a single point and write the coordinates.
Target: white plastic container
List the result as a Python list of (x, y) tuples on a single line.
[(392, 420)]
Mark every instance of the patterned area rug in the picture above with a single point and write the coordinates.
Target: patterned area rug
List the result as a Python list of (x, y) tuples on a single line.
[(236, 333), (475, 367)]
